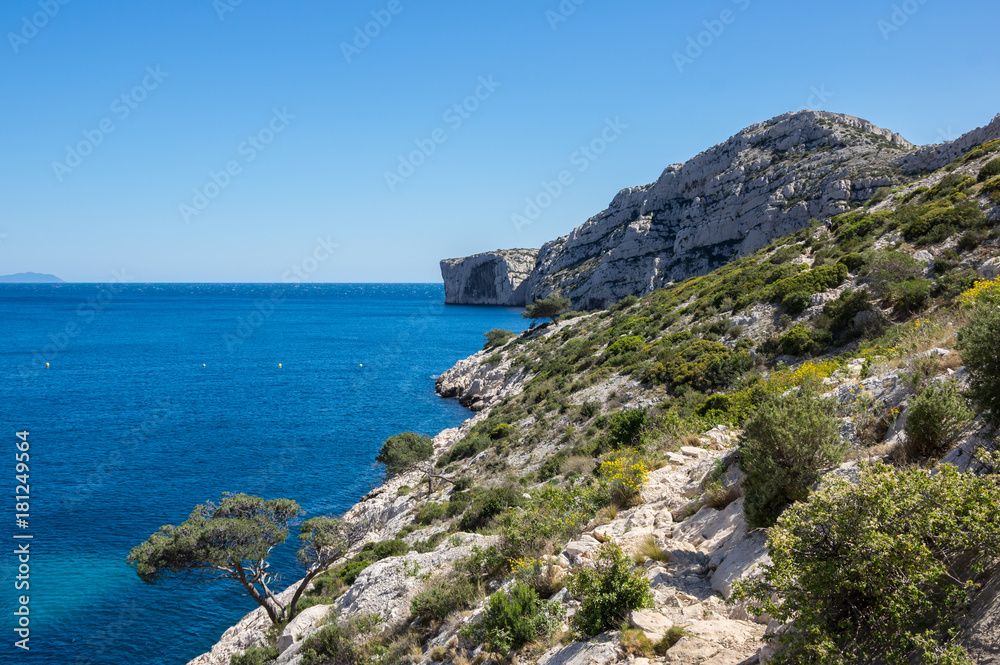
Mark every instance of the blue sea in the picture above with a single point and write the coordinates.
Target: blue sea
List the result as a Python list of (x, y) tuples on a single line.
[(160, 397)]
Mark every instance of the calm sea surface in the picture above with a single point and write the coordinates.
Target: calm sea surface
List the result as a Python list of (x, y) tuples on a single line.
[(160, 397)]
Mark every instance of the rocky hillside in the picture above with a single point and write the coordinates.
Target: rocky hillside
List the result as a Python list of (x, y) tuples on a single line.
[(619, 445), (763, 183)]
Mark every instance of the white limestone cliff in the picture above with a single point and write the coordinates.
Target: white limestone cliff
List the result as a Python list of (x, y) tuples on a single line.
[(493, 278)]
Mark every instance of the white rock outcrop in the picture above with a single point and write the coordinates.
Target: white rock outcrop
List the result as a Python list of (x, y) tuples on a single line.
[(492, 278)]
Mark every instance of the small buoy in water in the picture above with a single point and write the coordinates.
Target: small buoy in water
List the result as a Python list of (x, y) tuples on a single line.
[(279, 365), (203, 365), (46, 364), (360, 365)]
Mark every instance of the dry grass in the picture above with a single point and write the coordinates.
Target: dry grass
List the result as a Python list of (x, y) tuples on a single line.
[(672, 637), (650, 550), (692, 440), (635, 643), (577, 464), (720, 497), (438, 653)]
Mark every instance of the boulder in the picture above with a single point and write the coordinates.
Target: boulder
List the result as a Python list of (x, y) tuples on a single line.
[(602, 649), (303, 625), (653, 624), (990, 269), (742, 556)]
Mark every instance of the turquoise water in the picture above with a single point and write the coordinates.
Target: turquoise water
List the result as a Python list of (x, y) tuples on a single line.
[(160, 397)]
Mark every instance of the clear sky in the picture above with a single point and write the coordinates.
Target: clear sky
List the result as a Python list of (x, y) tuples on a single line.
[(309, 114)]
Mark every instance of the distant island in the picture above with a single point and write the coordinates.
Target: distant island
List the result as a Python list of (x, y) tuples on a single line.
[(29, 278)]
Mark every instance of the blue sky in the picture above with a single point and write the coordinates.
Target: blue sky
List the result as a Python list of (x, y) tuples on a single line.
[(246, 138)]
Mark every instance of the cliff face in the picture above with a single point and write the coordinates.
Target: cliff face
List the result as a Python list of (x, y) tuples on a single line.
[(493, 278), (765, 182)]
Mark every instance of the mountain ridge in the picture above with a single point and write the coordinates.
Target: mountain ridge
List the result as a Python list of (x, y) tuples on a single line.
[(731, 199)]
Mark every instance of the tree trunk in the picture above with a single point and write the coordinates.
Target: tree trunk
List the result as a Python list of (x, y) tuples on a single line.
[(264, 601), (290, 609)]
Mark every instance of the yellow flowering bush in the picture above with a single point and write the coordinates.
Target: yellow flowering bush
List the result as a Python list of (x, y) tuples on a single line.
[(626, 474), (984, 292)]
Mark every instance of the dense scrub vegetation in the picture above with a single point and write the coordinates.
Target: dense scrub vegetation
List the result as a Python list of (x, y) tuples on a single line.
[(877, 570)]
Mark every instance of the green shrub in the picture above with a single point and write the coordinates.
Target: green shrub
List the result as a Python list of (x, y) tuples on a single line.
[(550, 467), (330, 645), (431, 512), (796, 302), (470, 446), (854, 262), (402, 451), (513, 618), (429, 544), (969, 241), (797, 342), (784, 446), (934, 420), (625, 426), (980, 351), (501, 431), (371, 552), (992, 188), (255, 656), (703, 365), (623, 348), (608, 591), (496, 338), (838, 315), (869, 572), (590, 409), (887, 269), (458, 503), (384, 549), (911, 296), (811, 281), (624, 303), (442, 597), (991, 169), (488, 504), (937, 223), (463, 484)]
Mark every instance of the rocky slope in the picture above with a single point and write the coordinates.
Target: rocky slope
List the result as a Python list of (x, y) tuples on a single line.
[(556, 388), (765, 182), (493, 278)]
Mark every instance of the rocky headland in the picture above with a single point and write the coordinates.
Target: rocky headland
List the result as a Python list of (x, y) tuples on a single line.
[(729, 201)]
